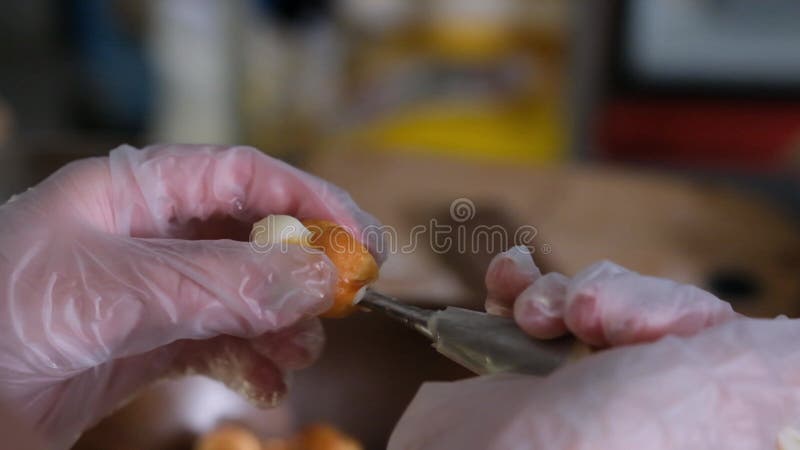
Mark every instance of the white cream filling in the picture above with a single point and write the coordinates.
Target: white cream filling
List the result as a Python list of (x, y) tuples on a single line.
[(280, 228), (277, 228)]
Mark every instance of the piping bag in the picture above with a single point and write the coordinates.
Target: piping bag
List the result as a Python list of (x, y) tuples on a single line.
[(483, 343)]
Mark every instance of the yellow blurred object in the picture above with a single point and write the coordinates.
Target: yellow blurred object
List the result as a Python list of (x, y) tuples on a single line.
[(534, 132), (229, 437), (471, 30), (313, 437), (466, 42), (276, 444), (324, 437)]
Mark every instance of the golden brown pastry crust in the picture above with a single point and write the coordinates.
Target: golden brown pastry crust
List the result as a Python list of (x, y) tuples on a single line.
[(356, 266)]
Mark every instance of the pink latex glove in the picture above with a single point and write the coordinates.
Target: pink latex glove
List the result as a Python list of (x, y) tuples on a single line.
[(104, 290), (717, 380), (603, 305)]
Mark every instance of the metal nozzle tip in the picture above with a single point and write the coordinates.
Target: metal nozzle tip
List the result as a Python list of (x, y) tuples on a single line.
[(411, 316)]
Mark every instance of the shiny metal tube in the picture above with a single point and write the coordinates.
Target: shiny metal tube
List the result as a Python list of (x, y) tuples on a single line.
[(481, 342)]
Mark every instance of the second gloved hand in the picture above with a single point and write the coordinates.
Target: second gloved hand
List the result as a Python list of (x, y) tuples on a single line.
[(603, 305), (717, 380), (733, 386)]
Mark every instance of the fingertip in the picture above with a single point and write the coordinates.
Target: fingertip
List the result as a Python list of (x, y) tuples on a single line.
[(600, 270), (341, 209), (531, 320), (373, 235), (583, 318), (539, 309), (622, 308), (508, 274), (292, 281)]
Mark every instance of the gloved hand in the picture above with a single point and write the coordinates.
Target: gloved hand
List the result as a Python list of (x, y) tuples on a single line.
[(603, 305), (104, 290), (735, 385)]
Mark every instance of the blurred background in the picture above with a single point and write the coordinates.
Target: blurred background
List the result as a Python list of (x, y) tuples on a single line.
[(664, 136)]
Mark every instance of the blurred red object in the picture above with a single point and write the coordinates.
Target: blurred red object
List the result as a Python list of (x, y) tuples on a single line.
[(754, 136)]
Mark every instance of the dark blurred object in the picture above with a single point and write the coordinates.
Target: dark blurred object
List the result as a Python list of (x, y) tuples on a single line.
[(489, 230), (735, 285), (710, 84), (6, 122), (37, 155), (107, 39), (73, 64), (296, 12), (36, 73)]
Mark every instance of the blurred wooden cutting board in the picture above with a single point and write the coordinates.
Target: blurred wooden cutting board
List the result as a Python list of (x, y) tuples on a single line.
[(700, 233)]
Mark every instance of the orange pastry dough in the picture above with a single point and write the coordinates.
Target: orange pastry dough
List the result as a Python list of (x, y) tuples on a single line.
[(312, 437), (229, 437), (355, 265)]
